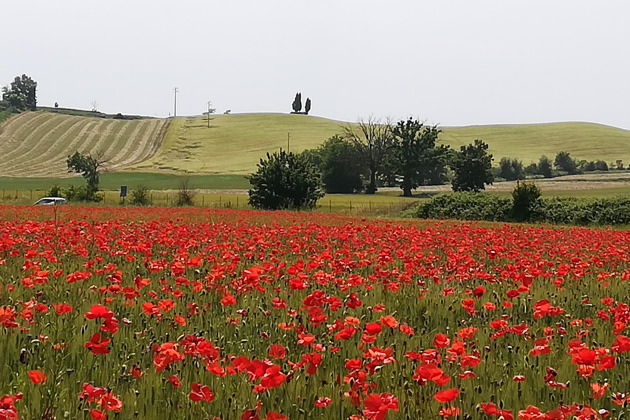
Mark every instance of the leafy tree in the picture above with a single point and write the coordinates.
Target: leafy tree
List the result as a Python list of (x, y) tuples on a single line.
[(511, 169), (307, 106), (297, 103), (473, 167), (21, 94), (372, 141), (88, 166), (564, 162), (341, 167), (285, 181), (415, 155), (544, 167), (531, 169)]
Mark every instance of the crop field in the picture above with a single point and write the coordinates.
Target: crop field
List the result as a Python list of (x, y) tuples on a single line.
[(36, 144), (225, 314)]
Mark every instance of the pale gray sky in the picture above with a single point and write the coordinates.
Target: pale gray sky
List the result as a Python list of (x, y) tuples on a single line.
[(449, 62)]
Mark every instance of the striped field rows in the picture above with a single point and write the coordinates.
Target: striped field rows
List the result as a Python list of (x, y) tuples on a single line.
[(37, 144)]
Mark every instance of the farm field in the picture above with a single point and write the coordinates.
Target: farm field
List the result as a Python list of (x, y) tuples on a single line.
[(234, 144), (224, 314), (36, 144)]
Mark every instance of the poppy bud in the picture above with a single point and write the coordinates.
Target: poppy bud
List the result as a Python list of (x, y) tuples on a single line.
[(24, 356)]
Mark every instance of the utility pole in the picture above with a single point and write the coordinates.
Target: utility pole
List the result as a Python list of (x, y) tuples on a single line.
[(175, 106), (288, 142), (209, 104)]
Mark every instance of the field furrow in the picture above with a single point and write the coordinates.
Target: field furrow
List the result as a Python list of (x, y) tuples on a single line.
[(34, 158), (37, 144), (36, 138), (134, 154)]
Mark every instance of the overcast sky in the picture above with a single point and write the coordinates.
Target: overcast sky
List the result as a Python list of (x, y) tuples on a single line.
[(448, 62)]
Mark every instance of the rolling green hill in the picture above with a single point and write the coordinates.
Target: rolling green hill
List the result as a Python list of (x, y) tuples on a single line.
[(36, 144), (234, 143)]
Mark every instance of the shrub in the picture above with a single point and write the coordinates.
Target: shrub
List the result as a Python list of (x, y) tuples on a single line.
[(140, 196), (285, 181), (525, 198), (81, 193), (55, 191), (185, 194), (466, 206)]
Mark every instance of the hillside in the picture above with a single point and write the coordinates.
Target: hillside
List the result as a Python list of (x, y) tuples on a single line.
[(528, 142), (234, 143), (36, 144)]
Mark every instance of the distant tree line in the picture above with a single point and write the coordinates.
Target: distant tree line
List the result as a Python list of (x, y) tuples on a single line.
[(371, 153)]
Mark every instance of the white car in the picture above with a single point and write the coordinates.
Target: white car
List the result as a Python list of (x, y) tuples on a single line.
[(51, 201)]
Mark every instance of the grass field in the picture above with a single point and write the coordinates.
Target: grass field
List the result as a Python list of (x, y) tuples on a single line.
[(36, 144), (529, 142), (234, 143)]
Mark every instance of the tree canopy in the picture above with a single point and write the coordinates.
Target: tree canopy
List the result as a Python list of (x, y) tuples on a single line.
[(473, 167), (285, 180), (416, 158), (21, 94)]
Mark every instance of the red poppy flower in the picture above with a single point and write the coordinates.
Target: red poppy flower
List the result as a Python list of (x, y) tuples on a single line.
[(447, 395), (37, 376), (201, 393), (376, 405)]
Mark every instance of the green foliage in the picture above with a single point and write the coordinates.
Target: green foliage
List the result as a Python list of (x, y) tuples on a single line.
[(415, 157), (466, 206), (473, 167), (594, 165), (544, 167), (88, 166), (307, 106), (185, 194), (297, 103), (525, 201), (526, 205), (564, 162), (341, 167), (511, 169), (285, 181), (21, 94), (55, 191), (140, 196), (81, 193)]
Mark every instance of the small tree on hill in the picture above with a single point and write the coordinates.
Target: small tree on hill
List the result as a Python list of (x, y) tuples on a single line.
[(297, 103), (473, 167), (285, 181), (21, 94), (307, 106)]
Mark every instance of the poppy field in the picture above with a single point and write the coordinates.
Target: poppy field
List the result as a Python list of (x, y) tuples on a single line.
[(223, 314)]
